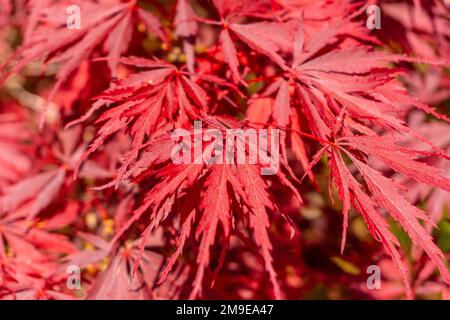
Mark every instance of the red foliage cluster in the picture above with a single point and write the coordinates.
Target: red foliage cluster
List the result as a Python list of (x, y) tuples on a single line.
[(88, 181)]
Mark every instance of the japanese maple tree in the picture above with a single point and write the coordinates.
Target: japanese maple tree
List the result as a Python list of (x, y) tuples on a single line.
[(93, 93)]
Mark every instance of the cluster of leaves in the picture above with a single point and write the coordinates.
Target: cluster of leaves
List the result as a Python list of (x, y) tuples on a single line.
[(87, 178)]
